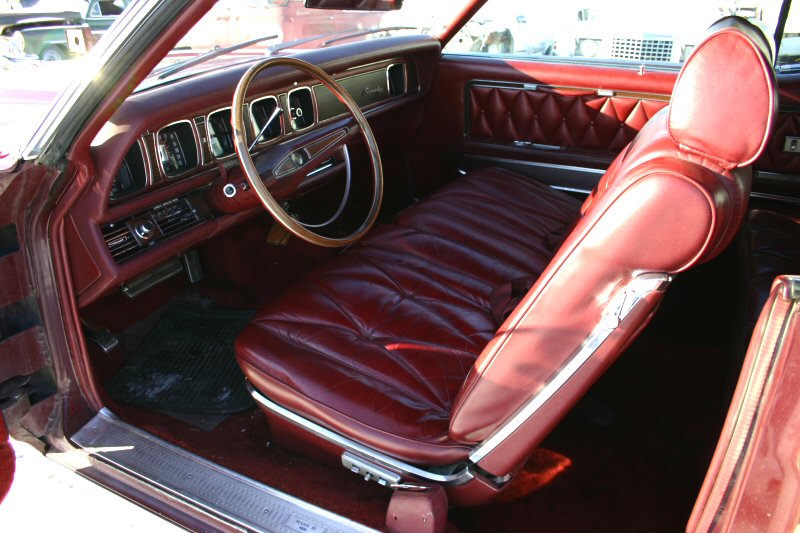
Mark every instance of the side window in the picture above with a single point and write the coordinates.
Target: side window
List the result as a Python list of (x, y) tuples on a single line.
[(608, 30), (789, 53)]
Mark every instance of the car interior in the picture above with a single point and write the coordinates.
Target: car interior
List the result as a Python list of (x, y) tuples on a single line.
[(384, 273)]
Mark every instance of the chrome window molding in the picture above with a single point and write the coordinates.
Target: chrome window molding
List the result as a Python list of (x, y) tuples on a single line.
[(640, 66)]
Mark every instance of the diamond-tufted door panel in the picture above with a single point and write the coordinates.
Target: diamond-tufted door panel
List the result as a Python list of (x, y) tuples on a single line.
[(557, 122), (557, 117)]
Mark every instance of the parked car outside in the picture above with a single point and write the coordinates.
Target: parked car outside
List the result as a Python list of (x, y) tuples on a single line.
[(507, 27), (44, 34), (11, 53)]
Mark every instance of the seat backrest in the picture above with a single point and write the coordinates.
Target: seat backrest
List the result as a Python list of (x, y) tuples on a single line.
[(673, 198)]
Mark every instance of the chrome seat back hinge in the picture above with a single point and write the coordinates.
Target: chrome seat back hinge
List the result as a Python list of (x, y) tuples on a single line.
[(380, 475)]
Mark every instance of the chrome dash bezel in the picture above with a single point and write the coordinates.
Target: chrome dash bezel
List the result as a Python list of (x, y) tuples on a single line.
[(314, 105), (254, 127), (208, 134), (197, 146)]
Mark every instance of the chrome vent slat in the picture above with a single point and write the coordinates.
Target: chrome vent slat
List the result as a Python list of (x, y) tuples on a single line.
[(172, 230), (120, 242), (171, 218), (180, 217)]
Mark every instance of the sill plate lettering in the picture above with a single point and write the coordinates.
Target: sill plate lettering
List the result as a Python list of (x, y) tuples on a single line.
[(295, 523)]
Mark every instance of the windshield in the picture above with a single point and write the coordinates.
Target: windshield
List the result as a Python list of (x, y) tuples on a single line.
[(44, 45), (275, 27)]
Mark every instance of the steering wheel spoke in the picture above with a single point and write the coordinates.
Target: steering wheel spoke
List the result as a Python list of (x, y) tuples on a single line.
[(285, 167)]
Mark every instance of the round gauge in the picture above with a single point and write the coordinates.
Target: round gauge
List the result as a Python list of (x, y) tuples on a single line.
[(220, 133), (177, 150), (301, 108), (132, 176)]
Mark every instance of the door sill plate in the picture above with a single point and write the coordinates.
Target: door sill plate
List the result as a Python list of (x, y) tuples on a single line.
[(234, 498)]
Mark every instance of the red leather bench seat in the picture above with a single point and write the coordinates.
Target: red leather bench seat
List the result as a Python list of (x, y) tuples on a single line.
[(411, 306)]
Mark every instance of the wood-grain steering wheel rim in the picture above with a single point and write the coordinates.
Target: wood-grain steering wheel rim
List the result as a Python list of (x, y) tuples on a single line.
[(254, 178)]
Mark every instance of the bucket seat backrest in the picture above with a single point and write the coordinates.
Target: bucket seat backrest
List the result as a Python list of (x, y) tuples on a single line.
[(675, 197)]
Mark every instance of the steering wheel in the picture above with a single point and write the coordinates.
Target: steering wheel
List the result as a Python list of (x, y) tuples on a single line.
[(287, 164)]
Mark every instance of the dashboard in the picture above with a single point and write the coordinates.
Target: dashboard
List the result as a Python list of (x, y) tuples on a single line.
[(163, 159), (190, 144)]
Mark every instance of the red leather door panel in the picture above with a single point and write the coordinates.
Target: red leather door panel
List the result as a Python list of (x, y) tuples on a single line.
[(557, 117), (778, 170), (530, 115), (517, 112)]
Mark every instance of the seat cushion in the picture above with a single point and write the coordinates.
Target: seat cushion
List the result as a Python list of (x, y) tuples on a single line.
[(774, 249), (377, 343)]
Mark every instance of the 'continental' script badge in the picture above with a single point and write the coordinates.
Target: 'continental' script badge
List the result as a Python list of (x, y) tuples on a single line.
[(373, 90)]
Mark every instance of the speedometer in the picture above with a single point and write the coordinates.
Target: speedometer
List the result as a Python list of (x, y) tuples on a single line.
[(177, 149)]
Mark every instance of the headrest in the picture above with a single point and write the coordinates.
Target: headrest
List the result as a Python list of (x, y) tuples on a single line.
[(725, 99)]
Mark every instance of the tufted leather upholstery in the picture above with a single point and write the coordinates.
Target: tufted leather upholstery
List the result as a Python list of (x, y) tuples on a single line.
[(411, 306), (558, 118), (394, 344), (774, 250)]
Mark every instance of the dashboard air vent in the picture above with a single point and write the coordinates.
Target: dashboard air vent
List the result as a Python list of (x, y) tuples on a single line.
[(128, 237), (175, 216), (120, 241)]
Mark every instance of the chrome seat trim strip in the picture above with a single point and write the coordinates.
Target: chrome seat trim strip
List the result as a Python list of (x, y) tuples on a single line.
[(457, 478), (616, 310)]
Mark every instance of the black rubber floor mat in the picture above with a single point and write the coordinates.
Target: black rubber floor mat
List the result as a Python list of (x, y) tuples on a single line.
[(186, 364)]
